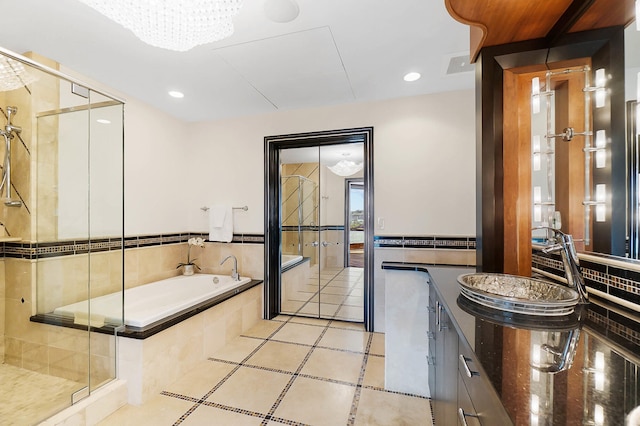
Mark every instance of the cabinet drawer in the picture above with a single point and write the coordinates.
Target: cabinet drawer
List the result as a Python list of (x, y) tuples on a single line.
[(466, 412), (483, 396)]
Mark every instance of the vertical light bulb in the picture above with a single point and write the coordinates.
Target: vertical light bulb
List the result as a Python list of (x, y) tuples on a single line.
[(599, 381), (536, 152), (537, 207), (535, 350), (601, 153), (599, 361), (535, 95), (598, 415), (535, 404), (601, 197), (534, 420), (601, 80)]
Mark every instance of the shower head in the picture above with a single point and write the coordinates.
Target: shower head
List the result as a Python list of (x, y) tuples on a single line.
[(12, 203)]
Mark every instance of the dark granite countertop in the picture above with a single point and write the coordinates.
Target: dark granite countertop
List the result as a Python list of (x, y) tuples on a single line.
[(587, 365)]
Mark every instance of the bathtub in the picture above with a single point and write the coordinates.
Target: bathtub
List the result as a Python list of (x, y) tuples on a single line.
[(149, 303), (290, 260)]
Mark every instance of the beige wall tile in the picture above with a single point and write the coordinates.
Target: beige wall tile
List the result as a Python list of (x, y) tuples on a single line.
[(131, 259), (35, 357), (13, 351), (69, 365), (2, 309), (253, 261), (68, 339)]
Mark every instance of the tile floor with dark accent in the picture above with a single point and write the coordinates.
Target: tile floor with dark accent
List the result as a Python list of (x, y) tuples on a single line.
[(287, 371), (336, 293)]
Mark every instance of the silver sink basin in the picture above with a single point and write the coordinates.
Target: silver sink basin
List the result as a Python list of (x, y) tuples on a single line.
[(516, 294)]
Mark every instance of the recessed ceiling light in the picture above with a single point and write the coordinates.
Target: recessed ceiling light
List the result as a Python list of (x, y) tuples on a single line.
[(176, 94), (103, 121), (412, 76)]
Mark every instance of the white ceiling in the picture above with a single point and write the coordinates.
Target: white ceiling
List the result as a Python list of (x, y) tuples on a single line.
[(336, 51)]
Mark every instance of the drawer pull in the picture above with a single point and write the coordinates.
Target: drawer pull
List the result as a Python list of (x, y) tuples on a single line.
[(439, 322), (463, 416), (467, 370), (430, 360)]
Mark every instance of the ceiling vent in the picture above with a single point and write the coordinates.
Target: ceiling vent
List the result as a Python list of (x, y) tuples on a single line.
[(459, 64)]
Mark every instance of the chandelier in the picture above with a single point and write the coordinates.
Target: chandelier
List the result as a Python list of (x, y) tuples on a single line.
[(345, 168), (172, 24)]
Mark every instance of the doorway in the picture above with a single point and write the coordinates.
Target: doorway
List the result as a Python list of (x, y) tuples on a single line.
[(355, 221), (308, 222)]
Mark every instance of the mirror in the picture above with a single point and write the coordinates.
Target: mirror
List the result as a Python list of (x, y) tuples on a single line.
[(319, 275), (559, 179)]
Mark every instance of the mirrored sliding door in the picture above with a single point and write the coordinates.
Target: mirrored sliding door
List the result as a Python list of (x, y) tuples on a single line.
[(316, 279)]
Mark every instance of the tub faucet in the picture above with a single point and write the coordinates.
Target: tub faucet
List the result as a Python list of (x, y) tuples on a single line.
[(234, 271), (564, 244)]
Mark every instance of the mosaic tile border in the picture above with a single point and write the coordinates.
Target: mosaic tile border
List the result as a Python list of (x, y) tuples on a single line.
[(32, 251), (622, 330), (269, 416), (612, 280), (293, 228), (431, 242)]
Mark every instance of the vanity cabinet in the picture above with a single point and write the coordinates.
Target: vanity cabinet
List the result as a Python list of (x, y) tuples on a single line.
[(460, 391), (443, 367), (426, 347)]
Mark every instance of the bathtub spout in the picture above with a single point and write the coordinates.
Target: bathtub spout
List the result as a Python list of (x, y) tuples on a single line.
[(234, 271)]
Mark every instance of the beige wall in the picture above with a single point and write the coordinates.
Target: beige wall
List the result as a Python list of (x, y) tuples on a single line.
[(424, 150)]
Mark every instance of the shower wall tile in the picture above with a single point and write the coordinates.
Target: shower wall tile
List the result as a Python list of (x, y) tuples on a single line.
[(35, 357), (68, 364), (2, 309), (13, 351)]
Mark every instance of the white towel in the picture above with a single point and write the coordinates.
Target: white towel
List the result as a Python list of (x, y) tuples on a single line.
[(220, 223)]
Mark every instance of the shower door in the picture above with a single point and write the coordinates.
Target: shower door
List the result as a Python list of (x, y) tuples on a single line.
[(314, 279)]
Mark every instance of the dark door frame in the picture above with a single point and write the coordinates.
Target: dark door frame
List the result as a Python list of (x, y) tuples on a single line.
[(273, 244)]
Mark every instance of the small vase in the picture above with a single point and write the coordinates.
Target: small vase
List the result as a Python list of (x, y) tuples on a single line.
[(188, 269)]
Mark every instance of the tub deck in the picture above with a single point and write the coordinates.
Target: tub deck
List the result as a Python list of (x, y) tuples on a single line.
[(151, 329)]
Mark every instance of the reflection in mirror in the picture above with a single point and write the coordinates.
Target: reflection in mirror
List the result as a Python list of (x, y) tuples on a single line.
[(632, 96), (553, 184), (563, 153), (316, 277)]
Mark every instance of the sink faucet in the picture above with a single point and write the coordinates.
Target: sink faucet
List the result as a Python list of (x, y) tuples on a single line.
[(564, 244), (234, 271)]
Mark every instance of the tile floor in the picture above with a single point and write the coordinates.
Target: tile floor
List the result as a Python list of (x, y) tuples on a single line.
[(27, 397), (288, 371), (335, 293)]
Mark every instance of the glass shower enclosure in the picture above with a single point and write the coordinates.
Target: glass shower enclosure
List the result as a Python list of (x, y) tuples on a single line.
[(62, 233)]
